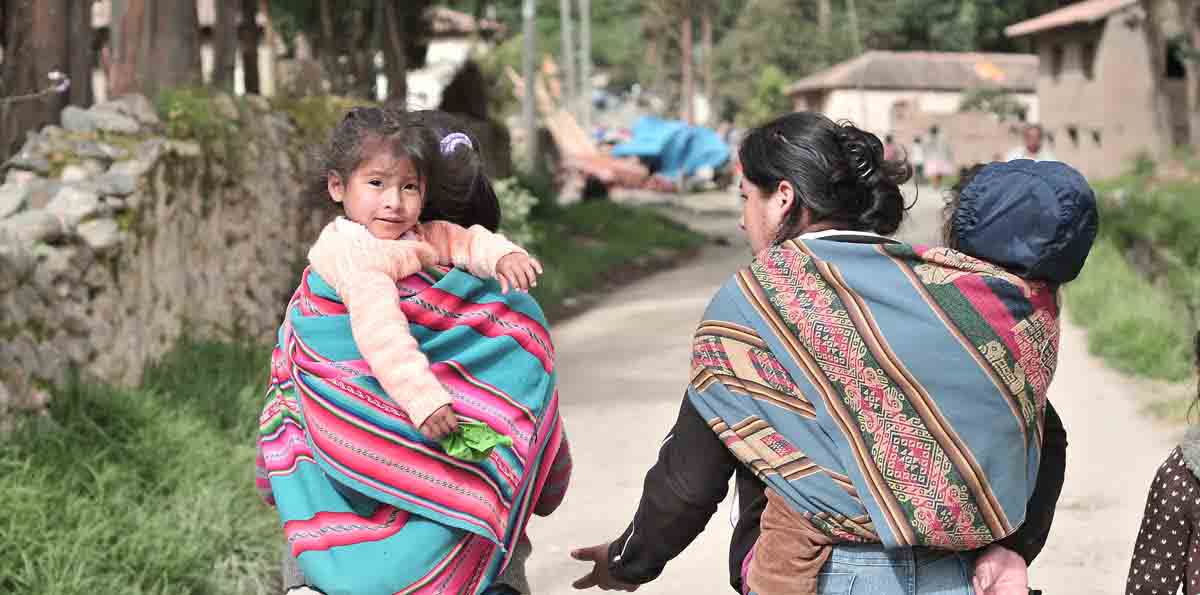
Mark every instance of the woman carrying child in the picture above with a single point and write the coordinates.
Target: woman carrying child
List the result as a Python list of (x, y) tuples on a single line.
[(883, 406), (412, 422)]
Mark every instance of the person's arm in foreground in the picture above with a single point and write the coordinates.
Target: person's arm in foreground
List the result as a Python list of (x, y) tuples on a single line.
[(681, 493)]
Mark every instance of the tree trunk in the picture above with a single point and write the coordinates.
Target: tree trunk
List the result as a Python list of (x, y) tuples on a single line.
[(251, 38), (706, 32), (825, 18), (1156, 43), (327, 48), (225, 45), (529, 72), (688, 90), (158, 47), (395, 54), (567, 60), (585, 63), (36, 44), (83, 55)]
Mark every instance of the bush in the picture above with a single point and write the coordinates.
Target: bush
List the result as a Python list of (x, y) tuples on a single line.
[(516, 205)]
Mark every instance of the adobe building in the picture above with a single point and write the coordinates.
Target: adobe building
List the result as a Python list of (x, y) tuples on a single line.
[(1107, 89)]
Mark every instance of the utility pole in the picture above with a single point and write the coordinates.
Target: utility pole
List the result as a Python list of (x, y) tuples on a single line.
[(585, 64), (528, 70), (570, 85), (688, 50)]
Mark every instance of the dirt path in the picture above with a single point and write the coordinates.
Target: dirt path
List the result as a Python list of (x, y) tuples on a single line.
[(623, 368)]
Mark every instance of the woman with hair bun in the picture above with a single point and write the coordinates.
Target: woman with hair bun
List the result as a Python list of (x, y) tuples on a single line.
[(882, 406)]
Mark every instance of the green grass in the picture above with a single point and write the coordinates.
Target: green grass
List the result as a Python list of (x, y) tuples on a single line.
[(1136, 327), (143, 491), (581, 245)]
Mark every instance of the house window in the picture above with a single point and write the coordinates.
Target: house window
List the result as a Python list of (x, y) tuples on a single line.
[(1089, 60), (1073, 132), (1175, 67), (1056, 61), (1096, 136)]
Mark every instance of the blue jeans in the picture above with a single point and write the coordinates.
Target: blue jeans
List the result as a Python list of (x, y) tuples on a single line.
[(871, 570)]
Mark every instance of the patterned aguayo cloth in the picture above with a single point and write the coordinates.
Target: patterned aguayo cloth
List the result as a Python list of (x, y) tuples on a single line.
[(892, 394)]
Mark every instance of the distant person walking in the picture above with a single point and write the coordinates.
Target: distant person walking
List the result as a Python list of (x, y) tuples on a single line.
[(1033, 148), (916, 156), (939, 157)]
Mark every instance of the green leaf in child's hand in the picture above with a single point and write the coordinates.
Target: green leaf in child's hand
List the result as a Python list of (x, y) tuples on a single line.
[(473, 441)]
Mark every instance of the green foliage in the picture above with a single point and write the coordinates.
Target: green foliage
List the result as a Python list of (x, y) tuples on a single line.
[(1132, 325), (997, 102), (187, 113), (143, 491), (516, 204), (316, 115), (1143, 321), (770, 98), (1142, 165)]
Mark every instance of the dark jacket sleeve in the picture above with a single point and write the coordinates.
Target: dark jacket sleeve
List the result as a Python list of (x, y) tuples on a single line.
[(1031, 537), (681, 493)]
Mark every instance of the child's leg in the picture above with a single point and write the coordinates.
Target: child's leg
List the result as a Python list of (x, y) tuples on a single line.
[(293, 577)]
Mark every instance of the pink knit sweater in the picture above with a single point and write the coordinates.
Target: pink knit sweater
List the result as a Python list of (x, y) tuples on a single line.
[(364, 271)]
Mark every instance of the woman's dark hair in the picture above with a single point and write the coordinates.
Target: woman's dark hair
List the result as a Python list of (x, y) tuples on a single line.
[(456, 187), (953, 198), (837, 170)]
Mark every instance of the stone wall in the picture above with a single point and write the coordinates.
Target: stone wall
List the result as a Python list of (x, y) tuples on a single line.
[(115, 240)]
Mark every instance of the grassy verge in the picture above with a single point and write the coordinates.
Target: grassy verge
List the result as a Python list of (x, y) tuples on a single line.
[(589, 245), (143, 491), (1133, 325), (1142, 319)]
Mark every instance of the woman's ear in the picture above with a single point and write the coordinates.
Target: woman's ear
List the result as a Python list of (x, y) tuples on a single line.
[(785, 195), (335, 186)]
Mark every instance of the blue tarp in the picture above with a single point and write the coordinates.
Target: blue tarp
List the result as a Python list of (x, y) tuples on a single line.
[(672, 148)]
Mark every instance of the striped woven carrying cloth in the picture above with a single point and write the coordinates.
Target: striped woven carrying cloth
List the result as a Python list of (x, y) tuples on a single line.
[(369, 507), (892, 394)]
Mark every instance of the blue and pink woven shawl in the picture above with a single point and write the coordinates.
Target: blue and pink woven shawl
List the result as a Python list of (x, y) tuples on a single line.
[(369, 507), (892, 394)]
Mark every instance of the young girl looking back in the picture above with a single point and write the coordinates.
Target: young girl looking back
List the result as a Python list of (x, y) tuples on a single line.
[(392, 173)]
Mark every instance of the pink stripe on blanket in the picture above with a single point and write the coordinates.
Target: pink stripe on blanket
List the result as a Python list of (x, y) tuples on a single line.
[(386, 465), (440, 310), (280, 451), (327, 530), (460, 572)]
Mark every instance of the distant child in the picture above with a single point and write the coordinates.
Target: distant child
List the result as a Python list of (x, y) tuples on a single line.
[(391, 171), (1165, 555)]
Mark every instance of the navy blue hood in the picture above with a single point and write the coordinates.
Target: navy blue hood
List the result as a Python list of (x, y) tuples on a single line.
[(1038, 219)]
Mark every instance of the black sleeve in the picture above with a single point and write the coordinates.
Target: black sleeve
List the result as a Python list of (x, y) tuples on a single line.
[(681, 493), (1031, 537)]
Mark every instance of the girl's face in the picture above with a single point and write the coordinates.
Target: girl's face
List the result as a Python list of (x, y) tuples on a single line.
[(384, 194)]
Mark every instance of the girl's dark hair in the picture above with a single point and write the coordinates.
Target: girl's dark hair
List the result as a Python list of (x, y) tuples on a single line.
[(953, 198), (456, 187), (838, 172)]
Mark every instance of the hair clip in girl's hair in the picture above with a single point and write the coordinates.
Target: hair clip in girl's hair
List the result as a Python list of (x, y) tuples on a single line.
[(453, 141)]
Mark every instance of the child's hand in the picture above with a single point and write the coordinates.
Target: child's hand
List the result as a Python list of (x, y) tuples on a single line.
[(1000, 571), (442, 423), (517, 271)]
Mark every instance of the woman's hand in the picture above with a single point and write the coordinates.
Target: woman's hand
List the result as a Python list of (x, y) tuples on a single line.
[(599, 576), (442, 423), (1000, 571), (517, 271)]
